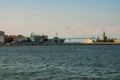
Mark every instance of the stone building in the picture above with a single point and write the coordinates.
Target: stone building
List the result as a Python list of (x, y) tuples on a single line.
[(103, 37)]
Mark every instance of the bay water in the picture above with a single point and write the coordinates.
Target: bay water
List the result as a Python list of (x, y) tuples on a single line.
[(83, 62)]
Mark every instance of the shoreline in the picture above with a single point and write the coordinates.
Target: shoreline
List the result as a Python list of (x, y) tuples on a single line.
[(64, 44)]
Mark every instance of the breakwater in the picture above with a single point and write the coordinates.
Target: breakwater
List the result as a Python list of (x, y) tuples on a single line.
[(64, 44)]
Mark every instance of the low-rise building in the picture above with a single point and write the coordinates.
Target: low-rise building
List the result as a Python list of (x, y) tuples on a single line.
[(117, 41), (13, 38), (2, 35), (88, 41)]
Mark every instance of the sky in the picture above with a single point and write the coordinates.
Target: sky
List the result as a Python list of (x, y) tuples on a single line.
[(68, 18)]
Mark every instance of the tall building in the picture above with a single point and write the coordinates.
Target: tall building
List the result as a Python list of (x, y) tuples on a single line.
[(2, 35), (103, 37)]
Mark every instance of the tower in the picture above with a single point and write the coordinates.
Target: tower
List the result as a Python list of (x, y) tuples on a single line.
[(103, 37)]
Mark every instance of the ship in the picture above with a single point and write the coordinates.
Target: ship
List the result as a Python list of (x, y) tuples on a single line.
[(56, 40), (36, 39)]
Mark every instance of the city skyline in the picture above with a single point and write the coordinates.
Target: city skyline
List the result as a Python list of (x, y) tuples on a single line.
[(69, 18)]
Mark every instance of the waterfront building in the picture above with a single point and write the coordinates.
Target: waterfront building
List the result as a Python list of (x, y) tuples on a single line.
[(2, 35), (13, 38), (103, 37), (88, 41), (117, 41)]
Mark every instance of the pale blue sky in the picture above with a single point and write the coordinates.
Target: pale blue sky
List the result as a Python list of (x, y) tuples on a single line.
[(69, 18)]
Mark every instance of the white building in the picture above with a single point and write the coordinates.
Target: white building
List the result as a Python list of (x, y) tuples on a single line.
[(117, 41), (2, 35), (88, 41)]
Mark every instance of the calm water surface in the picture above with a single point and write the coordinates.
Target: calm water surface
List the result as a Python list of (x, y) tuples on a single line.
[(92, 62)]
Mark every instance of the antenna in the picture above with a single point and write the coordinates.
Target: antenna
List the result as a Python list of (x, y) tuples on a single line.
[(103, 28), (56, 34)]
